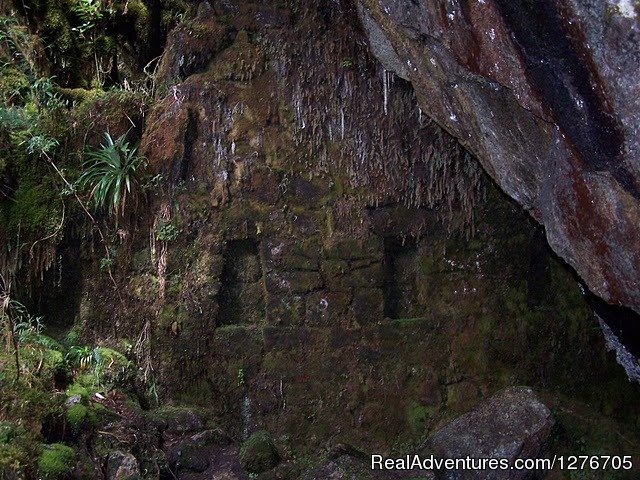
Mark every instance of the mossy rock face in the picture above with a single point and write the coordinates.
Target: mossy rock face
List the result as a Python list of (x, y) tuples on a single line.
[(56, 461), (177, 420), (258, 453)]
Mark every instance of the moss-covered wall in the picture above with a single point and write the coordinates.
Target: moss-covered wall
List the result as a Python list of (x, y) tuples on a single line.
[(359, 306)]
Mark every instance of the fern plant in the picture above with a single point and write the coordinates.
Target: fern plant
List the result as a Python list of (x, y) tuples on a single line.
[(109, 173)]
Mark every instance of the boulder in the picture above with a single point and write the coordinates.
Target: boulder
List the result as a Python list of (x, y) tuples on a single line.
[(177, 420), (512, 424), (195, 452), (258, 453), (122, 466)]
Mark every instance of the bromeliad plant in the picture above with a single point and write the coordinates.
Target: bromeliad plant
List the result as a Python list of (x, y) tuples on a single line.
[(110, 175), (84, 357)]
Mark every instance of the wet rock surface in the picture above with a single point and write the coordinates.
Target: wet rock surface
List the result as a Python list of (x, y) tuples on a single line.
[(544, 94), (122, 466), (318, 259), (513, 424)]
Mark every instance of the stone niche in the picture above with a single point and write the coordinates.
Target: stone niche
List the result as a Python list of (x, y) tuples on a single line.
[(400, 296), (242, 292)]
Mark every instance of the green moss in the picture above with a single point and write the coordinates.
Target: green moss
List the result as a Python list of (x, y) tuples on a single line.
[(18, 448), (111, 356), (72, 337), (57, 31), (139, 11), (258, 453), (77, 389), (13, 84), (168, 315), (79, 95), (106, 45), (109, 105), (36, 205), (76, 416), (173, 12), (418, 415), (56, 461), (13, 460)]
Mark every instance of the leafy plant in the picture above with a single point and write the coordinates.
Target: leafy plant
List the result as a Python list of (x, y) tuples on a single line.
[(26, 327), (106, 263), (41, 145), (90, 12), (346, 63), (19, 326), (84, 357), (110, 174), (16, 39), (13, 118), (167, 232)]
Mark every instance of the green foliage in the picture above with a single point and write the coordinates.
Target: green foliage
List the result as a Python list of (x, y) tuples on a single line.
[(13, 84), (28, 403), (26, 327), (84, 357), (173, 12), (56, 461), (99, 367), (31, 128), (106, 263), (110, 174), (14, 45), (12, 119), (44, 92), (167, 232), (34, 203), (89, 12), (41, 145)]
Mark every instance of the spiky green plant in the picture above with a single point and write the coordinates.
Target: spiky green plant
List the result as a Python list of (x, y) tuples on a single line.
[(109, 174)]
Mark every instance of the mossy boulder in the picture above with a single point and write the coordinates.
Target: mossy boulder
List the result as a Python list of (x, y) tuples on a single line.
[(258, 453), (177, 420), (56, 461), (77, 390), (195, 452), (80, 416)]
